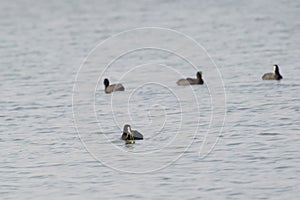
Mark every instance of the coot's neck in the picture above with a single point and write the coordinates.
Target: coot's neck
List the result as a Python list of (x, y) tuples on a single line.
[(277, 71), (200, 81), (106, 83), (199, 78)]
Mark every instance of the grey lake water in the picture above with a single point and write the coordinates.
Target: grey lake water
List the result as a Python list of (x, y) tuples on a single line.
[(235, 137)]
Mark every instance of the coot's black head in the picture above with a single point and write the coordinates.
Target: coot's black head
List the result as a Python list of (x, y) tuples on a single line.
[(106, 82), (129, 134), (199, 75), (127, 128), (199, 78), (276, 69), (277, 73)]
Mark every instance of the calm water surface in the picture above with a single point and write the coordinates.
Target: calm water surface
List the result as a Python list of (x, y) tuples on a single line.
[(51, 149)]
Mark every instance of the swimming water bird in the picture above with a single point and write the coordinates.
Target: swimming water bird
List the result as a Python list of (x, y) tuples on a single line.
[(273, 76), (191, 81), (130, 135), (113, 87)]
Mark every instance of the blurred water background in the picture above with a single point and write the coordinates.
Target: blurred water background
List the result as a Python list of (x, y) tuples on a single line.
[(48, 152)]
